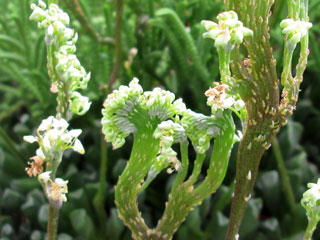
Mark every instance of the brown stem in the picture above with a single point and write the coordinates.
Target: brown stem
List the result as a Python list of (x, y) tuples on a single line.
[(78, 12), (118, 47)]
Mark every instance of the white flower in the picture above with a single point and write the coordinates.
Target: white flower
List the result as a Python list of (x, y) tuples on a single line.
[(46, 124), (239, 104), (295, 30), (44, 177), (46, 143), (69, 136), (30, 139), (77, 146), (40, 154), (58, 190), (229, 30), (79, 104)]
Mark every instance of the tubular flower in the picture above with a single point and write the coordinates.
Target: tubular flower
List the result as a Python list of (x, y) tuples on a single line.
[(295, 31), (228, 31)]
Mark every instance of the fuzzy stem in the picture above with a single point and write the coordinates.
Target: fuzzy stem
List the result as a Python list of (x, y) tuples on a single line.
[(53, 1), (53, 217), (248, 160), (287, 188), (287, 60), (184, 166), (312, 224), (224, 64)]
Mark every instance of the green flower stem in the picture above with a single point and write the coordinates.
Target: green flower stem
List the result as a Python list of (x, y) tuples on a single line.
[(53, 217), (53, 1), (185, 197), (286, 73), (183, 171), (310, 229), (62, 96), (224, 64), (196, 169), (219, 158), (99, 198), (129, 182), (287, 188)]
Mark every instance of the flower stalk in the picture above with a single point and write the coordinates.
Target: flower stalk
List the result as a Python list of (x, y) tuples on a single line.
[(53, 137), (157, 120), (255, 80)]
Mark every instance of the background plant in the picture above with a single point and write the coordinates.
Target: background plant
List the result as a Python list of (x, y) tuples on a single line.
[(157, 62)]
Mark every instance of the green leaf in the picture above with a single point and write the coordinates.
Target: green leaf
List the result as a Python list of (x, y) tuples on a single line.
[(269, 186), (114, 226), (82, 223), (11, 199), (43, 215)]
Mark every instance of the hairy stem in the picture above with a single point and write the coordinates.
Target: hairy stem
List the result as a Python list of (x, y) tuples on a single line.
[(247, 168)]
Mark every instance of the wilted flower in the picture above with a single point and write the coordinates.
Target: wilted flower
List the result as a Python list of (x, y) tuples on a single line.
[(36, 167), (217, 97)]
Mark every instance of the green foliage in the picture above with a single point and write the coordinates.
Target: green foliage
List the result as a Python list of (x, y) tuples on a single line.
[(163, 59)]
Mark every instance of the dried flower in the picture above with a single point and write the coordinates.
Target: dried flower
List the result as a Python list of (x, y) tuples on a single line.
[(217, 97), (36, 167)]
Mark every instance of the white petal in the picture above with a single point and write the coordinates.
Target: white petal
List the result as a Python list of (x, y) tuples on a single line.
[(46, 123), (46, 143), (30, 139), (40, 154), (77, 146), (44, 177)]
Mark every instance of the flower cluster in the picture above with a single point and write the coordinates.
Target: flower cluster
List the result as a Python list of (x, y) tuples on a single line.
[(295, 30), (228, 31), (169, 133), (61, 41), (56, 189), (53, 138), (127, 108), (311, 200)]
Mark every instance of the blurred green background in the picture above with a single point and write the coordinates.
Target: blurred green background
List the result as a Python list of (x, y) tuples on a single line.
[(166, 51)]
